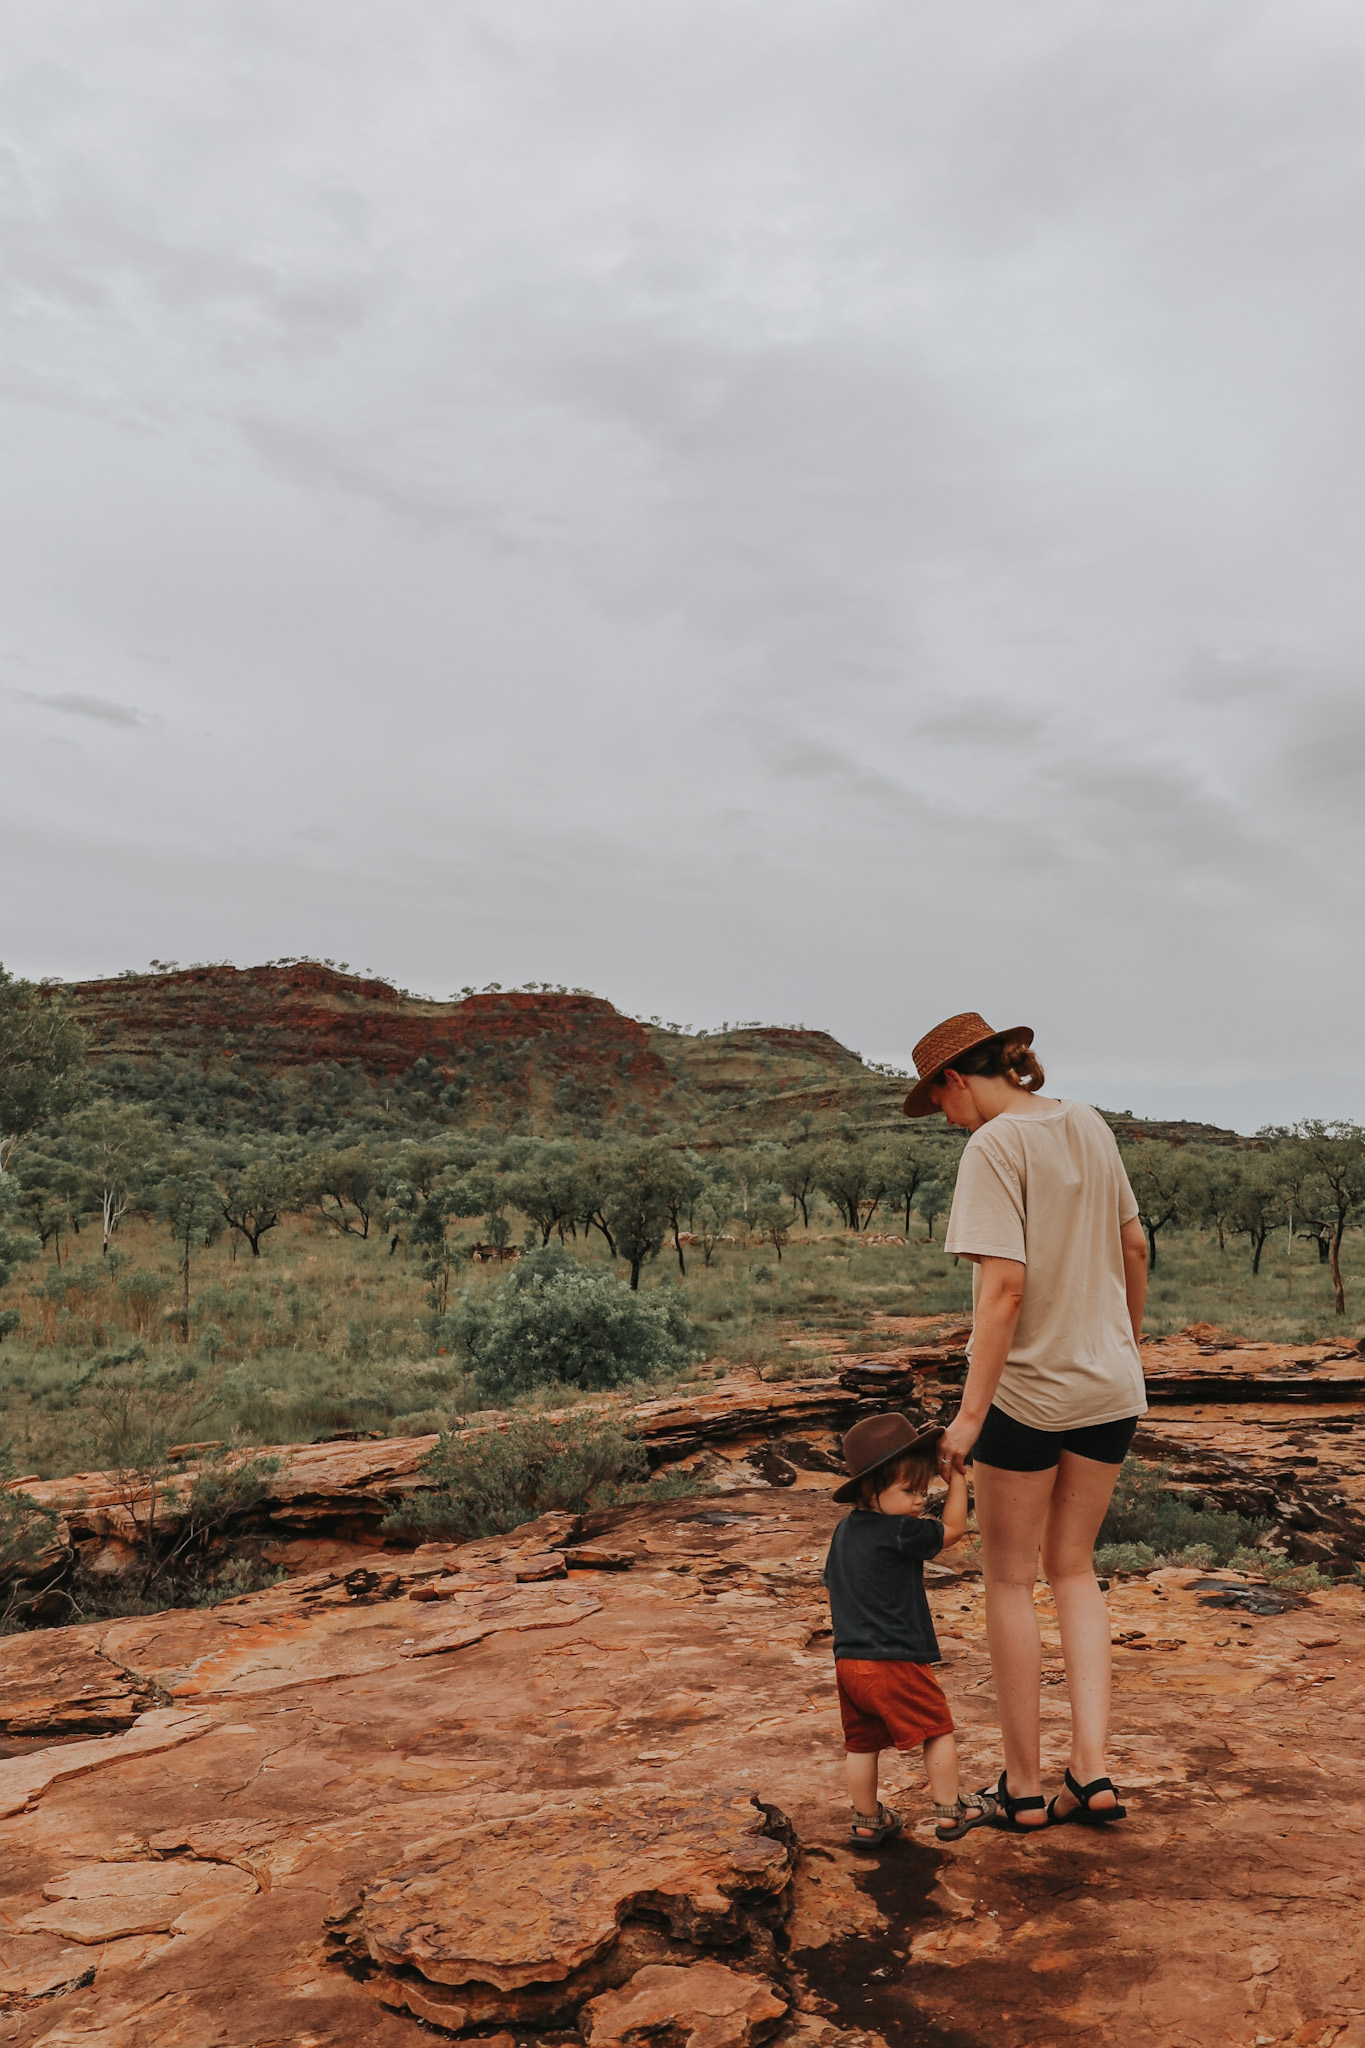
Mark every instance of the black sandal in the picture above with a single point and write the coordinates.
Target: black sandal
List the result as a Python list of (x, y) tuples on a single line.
[(1083, 1813), (881, 1826), (1007, 1806)]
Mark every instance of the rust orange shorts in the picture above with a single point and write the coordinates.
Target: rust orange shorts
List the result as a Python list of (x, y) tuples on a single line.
[(889, 1706)]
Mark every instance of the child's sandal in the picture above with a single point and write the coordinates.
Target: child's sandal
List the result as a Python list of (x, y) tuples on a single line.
[(877, 1828), (969, 1812)]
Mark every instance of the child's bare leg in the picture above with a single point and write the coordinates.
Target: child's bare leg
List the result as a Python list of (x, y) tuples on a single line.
[(860, 1769), (940, 1765)]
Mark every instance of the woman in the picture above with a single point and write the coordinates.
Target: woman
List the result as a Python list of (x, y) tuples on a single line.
[(1054, 1389)]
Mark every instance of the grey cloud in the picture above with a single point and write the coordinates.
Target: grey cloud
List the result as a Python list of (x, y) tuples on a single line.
[(816, 470), (78, 704)]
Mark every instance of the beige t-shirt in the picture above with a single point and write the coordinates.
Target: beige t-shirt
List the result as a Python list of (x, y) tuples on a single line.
[(1049, 1189)]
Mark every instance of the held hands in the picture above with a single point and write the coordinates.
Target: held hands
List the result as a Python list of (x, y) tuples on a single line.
[(957, 1442)]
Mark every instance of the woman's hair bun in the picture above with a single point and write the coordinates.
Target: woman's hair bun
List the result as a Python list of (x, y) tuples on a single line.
[(1010, 1058)]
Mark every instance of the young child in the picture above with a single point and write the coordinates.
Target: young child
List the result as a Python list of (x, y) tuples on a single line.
[(884, 1640)]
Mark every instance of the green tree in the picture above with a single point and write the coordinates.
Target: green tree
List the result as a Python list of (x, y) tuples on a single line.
[(1224, 1177), (713, 1208), (117, 1146), (798, 1175), (635, 1204), (1168, 1187), (682, 1185), (771, 1215), (1324, 1165), (911, 1168), (1259, 1204), (854, 1176), (432, 1246), (254, 1190), (42, 1060), (547, 1187), (188, 1204), (933, 1199), (17, 1247), (50, 1193), (342, 1186)]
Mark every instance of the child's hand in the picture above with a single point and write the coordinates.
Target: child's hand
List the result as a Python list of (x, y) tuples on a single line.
[(954, 1515)]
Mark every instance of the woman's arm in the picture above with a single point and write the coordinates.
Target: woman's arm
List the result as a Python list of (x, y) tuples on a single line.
[(954, 1512), (999, 1300), (1135, 1273)]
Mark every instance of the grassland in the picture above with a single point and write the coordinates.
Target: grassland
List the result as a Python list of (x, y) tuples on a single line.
[(327, 1332)]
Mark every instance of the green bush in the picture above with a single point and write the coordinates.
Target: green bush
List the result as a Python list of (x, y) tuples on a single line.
[(487, 1484), (557, 1323), (1167, 1528)]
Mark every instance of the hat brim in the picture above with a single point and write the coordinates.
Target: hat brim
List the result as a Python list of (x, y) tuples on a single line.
[(849, 1490), (919, 1101)]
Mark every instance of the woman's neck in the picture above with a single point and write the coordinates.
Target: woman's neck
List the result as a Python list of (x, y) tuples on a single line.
[(992, 1096)]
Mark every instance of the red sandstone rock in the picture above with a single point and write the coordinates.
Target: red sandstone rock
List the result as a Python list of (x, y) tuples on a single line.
[(539, 1565), (532, 1902), (703, 2006), (342, 1764)]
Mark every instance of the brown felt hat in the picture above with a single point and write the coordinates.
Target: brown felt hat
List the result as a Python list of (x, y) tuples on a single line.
[(875, 1442), (946, 1043)]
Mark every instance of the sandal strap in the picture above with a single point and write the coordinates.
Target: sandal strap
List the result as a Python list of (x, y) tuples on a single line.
[(1084, 1792), (1031, 1802)]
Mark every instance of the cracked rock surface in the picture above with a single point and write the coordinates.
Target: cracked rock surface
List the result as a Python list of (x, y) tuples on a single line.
[(609, 1807)]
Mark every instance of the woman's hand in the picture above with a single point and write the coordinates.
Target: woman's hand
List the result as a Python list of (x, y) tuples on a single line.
[(956, 1445)]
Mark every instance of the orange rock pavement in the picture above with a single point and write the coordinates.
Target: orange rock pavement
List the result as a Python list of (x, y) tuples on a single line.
[(326, 1790)]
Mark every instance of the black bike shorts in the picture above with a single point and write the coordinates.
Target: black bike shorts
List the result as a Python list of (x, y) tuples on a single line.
[(1018, 1447)]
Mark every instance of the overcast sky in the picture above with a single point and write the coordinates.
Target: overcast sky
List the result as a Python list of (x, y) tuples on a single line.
[(823, 511)]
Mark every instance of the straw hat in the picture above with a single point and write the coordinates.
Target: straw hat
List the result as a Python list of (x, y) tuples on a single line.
[(947, 1042), (874, 1442)]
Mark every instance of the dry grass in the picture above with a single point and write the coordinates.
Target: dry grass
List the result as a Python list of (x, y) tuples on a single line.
[(325, 1332)]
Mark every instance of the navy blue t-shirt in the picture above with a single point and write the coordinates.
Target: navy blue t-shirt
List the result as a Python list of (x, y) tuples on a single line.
[(875, 1577)]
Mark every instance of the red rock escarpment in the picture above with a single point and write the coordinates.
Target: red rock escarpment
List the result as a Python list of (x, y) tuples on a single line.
[(281, 1018)]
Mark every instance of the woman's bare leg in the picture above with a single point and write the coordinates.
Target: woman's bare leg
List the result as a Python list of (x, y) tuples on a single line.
[(1011, 1512), (1079, 1500)]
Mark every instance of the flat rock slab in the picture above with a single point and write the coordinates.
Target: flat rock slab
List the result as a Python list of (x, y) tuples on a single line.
[(24, 1780), (56, 1681), (99, 1902), (704, 2006), (546, 1895)]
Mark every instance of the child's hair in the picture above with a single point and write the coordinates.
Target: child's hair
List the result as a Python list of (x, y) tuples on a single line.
[(1008, 1057), (913, 1469)]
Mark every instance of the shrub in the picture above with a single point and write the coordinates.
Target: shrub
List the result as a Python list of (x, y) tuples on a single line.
[(556, 1322), (1168, 1528), (492, 1482)]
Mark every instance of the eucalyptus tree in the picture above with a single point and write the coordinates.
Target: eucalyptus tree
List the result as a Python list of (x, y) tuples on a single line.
[(637, 1182), (187, 1201), (118, 1148), (42, 1059), (1168, 1186), (255, 1189), (1324, 1164)]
